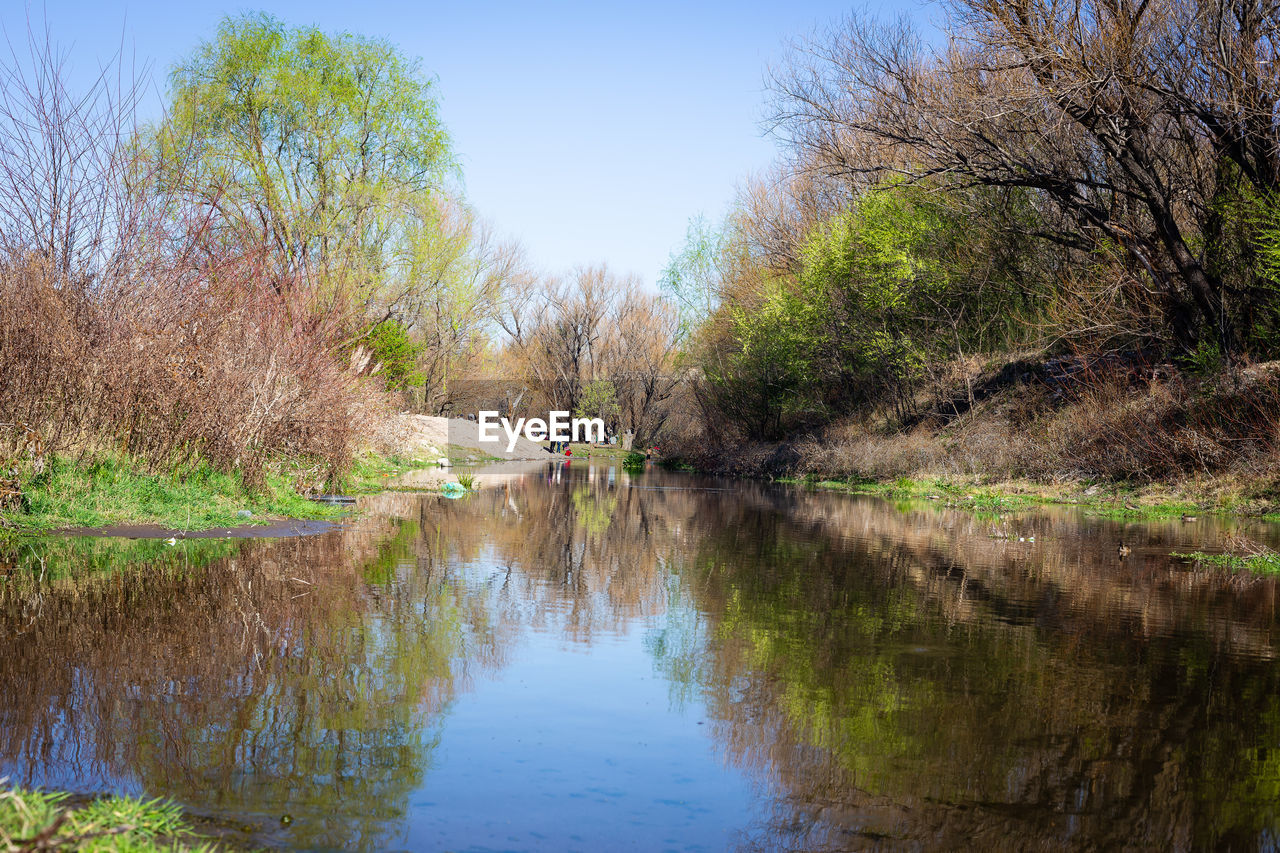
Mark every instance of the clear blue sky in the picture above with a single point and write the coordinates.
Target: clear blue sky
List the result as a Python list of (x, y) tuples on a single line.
[(589, 131)]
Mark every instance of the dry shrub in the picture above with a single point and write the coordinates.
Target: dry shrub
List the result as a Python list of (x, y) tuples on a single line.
[(1101, 425), (129, 321), (987, 450), (1168, 429), (1113, 417), (228, 368)]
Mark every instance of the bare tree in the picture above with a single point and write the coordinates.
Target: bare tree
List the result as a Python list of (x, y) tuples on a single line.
[(642, 345), (65, 160)]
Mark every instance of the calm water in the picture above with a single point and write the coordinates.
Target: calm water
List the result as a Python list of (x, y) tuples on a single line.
[(584, 660)]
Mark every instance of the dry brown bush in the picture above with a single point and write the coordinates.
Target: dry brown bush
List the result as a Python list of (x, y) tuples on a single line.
[(126, 327), (1117, 424), (1168, 429), (231, 371)]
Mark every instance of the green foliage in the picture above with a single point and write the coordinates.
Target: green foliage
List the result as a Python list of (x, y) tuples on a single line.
[(321, 145), (692, 277), (853, 323), (1267, 220), (874, 263), (370, 471), (467, 480), (1205, 359), (634, 461), (878, 251), (397, 353), (899, 280), (768, 382), (599, 399)]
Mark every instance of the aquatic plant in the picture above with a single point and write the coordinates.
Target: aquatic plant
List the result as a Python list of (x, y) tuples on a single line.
[(1241, 554)]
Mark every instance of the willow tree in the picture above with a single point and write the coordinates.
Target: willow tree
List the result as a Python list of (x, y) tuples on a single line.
[(317, 148)]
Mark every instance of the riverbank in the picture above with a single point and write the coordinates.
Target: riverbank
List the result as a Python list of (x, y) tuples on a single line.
[(61, 493), (1124, 436), (115, 492)]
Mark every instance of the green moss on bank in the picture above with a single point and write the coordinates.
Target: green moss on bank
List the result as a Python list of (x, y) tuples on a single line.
[(64, 493), (44, 820)]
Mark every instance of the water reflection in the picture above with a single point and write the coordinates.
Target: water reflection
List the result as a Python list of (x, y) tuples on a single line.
[(709, 664)]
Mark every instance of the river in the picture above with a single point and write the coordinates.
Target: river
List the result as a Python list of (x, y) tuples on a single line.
[(579, 658)]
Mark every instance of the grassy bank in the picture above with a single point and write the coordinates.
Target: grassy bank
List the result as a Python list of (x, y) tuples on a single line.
[(40, 820), (370, 471), (598, 451), (65, 493)]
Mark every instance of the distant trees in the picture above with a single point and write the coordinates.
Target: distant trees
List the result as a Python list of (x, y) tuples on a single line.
[(595, 343)]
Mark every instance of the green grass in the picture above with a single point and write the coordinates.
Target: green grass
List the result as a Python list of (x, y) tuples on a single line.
[(1110, 500), (977, 498), (595, 451), (118, 491), (370, 469), (370, 472), (103, 825), (1146, 511), (1262, 563)]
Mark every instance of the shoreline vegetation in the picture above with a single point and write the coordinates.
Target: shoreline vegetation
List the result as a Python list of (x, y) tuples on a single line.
[(1135, 446), (988, 278), (1105, 499), (995, 273), (47, 820), (109, 491)]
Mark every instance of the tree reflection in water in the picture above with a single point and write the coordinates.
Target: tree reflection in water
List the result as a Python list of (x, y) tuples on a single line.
[(885, 674)]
